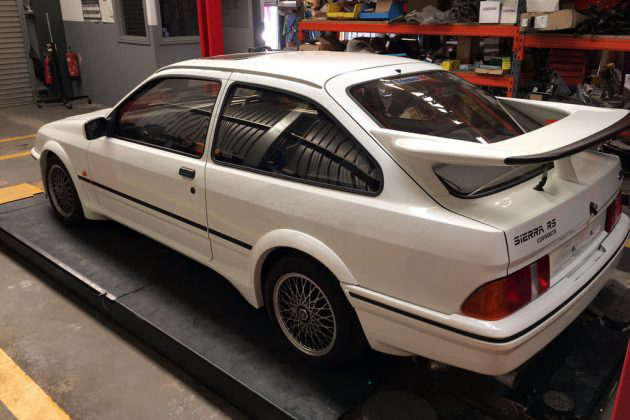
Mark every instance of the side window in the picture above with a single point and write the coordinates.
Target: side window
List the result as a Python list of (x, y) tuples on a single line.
[(172, 114), (282, 134)]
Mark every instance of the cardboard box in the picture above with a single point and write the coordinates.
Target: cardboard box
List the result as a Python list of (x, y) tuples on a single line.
[(527, 19), (489, 11), (556, 21), (543, 5), (491, 72), (509, 13), (382, 6)]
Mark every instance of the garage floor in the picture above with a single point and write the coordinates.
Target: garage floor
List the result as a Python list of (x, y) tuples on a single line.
[(68, 359)]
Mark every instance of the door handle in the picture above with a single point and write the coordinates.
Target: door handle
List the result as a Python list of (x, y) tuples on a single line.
[(187, 172)]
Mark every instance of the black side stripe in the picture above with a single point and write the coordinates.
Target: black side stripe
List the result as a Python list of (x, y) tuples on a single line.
[(481, 337), (168, 213)]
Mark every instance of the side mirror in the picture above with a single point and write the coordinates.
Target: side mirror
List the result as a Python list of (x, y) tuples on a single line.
[(96, 128)]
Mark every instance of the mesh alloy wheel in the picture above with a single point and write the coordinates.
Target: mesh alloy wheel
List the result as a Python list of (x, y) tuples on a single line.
[(304, 314), (61, 190)]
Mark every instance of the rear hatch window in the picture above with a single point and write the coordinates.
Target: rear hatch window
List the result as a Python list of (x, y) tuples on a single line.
[(437, 103)]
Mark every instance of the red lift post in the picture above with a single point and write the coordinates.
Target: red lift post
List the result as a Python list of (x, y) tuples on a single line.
[(210, 27), (621, 410)]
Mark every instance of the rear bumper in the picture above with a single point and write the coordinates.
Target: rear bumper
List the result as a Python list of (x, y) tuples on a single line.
[(488, 347)]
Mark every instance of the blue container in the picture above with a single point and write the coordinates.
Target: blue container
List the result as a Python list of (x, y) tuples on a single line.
[(395, 10)]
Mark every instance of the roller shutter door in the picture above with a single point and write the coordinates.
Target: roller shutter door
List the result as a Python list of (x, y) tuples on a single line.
[(15, 81)]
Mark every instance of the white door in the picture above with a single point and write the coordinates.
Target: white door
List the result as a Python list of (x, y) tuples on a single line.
[(150, 174)]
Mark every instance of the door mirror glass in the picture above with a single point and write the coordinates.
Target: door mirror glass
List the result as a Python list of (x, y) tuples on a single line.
[(95, 128)]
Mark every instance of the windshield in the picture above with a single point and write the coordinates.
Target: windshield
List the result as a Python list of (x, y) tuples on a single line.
[(437, 103)]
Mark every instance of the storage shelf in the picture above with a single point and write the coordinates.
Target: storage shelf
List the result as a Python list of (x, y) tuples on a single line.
[(579, 42), (521, 41), (502, 31)]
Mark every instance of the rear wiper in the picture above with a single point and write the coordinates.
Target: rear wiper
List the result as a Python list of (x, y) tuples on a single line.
[(512, 174), (451, 183), (543, 180)]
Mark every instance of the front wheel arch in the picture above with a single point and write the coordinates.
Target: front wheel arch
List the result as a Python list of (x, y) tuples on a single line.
[(54, 150)]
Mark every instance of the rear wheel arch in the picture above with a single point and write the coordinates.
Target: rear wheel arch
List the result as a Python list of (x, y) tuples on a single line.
[(275, 245)]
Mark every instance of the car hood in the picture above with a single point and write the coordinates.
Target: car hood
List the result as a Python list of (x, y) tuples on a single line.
[(90, 115)]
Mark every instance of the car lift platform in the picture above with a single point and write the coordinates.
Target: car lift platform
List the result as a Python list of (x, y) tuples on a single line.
[(185, 311), (195, 318)]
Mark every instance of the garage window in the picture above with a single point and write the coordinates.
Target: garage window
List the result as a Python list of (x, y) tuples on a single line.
[(288, 136), (179, 19), (170, 114), (132, 22)]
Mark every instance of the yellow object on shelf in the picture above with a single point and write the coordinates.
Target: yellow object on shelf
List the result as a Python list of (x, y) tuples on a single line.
[(335, 11), (450, 65)]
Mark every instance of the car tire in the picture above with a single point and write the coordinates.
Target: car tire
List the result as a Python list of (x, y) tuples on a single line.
[(310, 312), (62, 193)]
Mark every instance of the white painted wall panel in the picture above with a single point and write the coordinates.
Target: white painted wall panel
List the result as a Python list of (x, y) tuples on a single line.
[(71, 10)]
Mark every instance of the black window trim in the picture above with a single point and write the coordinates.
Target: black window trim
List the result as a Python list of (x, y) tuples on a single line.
[(247, 85), (114, 114)]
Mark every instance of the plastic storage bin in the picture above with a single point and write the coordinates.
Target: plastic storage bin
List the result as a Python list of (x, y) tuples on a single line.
[(335, 11), (395, 10)]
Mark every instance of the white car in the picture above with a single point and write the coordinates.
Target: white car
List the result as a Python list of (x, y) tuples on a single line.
[(359, 198)]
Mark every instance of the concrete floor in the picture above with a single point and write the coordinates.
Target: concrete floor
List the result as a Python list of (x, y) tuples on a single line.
[(22, 121), (89, 366)]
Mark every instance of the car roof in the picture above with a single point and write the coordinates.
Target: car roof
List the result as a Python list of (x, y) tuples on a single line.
[(310, 67)]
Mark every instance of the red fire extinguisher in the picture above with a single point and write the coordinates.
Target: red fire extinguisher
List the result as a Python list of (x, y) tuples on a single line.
[(72, 60), (48, 76)]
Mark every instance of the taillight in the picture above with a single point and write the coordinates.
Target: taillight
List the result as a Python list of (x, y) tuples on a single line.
[(613, 213), (500, 298)]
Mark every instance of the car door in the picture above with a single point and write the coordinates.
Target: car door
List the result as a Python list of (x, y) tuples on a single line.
[(150, 173)]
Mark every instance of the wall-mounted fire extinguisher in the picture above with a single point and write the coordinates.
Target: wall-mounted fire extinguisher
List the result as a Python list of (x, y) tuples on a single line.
[(72, 61), (48, 76)]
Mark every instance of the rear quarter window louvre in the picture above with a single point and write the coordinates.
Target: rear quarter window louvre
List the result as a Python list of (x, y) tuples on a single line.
[(288, 136)]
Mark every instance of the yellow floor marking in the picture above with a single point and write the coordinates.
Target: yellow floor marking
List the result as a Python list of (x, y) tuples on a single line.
[(22, 396), (18, 192), (628, 243), (6, 139), (15, 155)]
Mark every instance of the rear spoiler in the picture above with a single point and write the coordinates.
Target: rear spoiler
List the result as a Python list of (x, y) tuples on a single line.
[(578, 128), (591, 140)]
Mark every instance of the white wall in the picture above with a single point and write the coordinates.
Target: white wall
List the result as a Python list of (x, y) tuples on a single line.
[(71, 10), (150, 11)]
